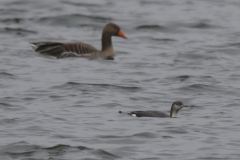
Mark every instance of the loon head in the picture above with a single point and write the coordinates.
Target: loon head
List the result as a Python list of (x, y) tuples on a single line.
[(176, 106)]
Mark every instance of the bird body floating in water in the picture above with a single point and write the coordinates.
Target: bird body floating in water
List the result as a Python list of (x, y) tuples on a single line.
[(176, 106), (64, 50)]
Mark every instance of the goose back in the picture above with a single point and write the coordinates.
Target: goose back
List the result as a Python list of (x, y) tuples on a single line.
[(64, 50)]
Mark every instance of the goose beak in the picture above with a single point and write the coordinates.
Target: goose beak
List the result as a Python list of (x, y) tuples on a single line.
[(120, 33)]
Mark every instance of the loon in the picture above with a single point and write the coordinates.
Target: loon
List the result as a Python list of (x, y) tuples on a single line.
[(176, 106)]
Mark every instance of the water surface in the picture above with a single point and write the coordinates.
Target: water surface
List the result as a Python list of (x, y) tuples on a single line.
[(67, 109)]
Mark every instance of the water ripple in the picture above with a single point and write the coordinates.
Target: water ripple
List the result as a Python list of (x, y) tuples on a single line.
[(72, 19)]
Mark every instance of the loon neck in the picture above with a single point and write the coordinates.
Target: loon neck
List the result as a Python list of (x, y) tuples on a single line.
[(173, 113)]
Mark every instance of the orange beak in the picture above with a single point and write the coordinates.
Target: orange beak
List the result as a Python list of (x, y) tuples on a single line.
[(120, 33)]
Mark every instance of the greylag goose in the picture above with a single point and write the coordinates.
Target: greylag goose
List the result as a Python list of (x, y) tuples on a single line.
[(64, 50), (176, 106)]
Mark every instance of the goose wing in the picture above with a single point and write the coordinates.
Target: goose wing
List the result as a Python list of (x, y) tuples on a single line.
[(64, 50)]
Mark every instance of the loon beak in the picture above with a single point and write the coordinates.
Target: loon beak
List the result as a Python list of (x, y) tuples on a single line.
[(183, 106)]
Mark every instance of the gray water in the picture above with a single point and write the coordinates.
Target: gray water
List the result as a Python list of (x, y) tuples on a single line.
[(67, 109)]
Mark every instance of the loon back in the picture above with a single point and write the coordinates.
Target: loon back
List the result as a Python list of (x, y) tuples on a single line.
[(148, 114)]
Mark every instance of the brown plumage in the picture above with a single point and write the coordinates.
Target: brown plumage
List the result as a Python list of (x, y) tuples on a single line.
[(64, 50)]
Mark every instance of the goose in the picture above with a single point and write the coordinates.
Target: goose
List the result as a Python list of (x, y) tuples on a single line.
[(64, 50), (176, 106)]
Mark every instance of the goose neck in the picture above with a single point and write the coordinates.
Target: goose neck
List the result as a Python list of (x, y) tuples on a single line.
[(106, 41)]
